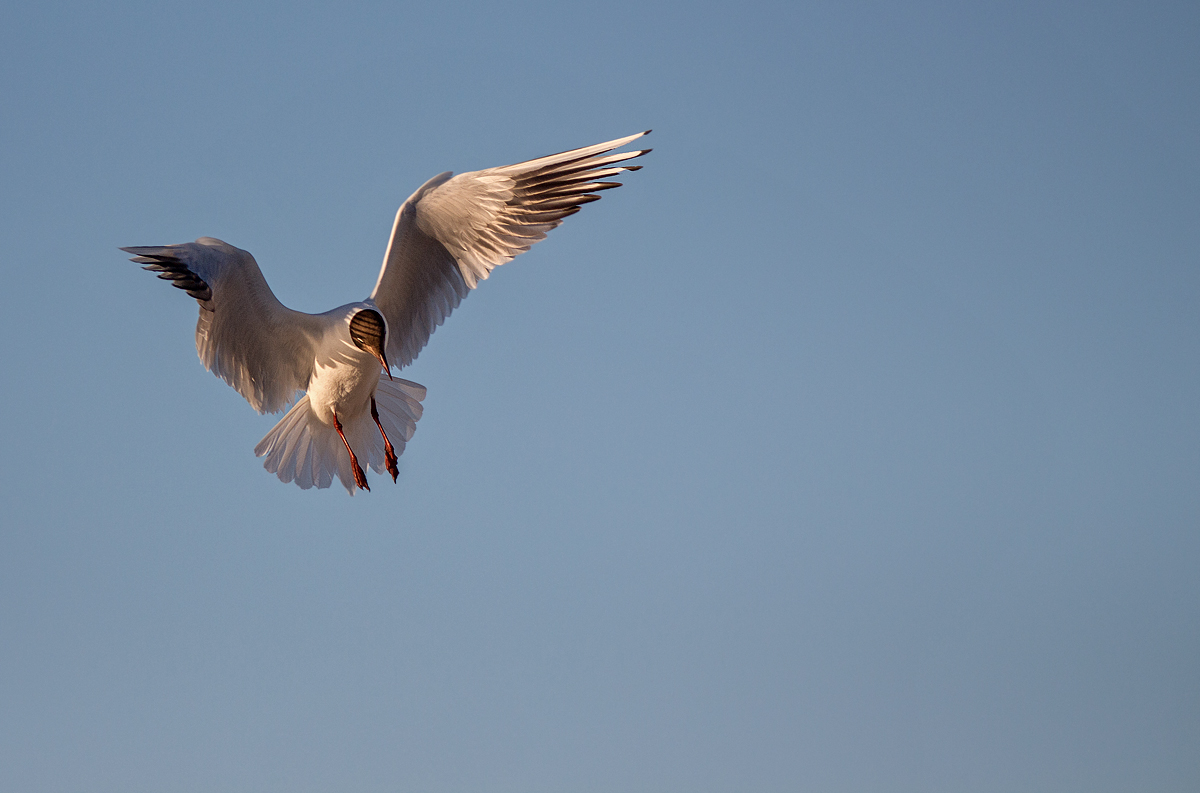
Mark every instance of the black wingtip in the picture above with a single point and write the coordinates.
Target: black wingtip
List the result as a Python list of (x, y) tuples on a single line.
[(170, 268), (647, 132)]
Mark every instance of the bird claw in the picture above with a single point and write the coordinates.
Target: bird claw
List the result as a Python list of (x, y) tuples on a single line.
[(389, 454), (389, 459), (360, 479)]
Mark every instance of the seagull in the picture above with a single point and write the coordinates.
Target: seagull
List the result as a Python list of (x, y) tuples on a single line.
[(448, 236)]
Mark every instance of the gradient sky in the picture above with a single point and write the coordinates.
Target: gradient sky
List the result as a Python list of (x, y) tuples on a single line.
[(853, 445)]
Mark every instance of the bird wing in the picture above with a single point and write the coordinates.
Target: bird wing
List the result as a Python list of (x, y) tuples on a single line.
[(244, 335), (454, 230)]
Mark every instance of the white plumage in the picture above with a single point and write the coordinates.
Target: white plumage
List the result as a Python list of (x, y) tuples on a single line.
[(448, 236)]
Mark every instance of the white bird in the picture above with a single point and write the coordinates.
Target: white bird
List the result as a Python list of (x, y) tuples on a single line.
[(448, 236)]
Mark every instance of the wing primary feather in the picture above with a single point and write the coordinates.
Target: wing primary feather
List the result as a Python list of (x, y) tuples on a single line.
[(563, 203), (581, 164), (551, 189), (574, 189), (171, 268), (586, 159), (533, 186), (538, 217), (586, 151)]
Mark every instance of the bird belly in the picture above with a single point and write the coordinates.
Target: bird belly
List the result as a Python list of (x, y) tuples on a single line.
[(344, 388)]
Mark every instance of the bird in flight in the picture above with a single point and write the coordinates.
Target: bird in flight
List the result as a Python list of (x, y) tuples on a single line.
[(448, 236)]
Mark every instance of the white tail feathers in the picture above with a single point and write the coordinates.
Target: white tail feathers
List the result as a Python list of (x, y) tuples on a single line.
[(304, 450)]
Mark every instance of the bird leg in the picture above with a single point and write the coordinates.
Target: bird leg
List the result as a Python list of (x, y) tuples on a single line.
[(389, 454), (360, 478)]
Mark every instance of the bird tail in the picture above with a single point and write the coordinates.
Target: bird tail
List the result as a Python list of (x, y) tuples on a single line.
[(305, 450)]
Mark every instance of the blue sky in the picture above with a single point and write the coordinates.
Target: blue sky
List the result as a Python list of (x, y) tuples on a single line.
[(852, 445)]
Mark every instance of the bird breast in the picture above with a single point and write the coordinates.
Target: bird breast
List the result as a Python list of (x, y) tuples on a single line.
[(343, 386)]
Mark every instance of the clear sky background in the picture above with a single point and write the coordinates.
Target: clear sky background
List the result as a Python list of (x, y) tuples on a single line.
[(853, 445)]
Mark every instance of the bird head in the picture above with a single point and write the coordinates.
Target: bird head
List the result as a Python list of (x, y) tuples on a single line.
[(369, 334)]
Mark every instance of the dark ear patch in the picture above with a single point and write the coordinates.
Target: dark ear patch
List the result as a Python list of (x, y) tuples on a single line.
[(367, 331)]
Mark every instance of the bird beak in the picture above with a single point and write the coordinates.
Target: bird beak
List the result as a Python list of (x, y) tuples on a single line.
[(383, 360)]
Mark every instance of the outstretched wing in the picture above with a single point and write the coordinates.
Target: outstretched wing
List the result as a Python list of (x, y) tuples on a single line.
[(454, 230), (244, 335)]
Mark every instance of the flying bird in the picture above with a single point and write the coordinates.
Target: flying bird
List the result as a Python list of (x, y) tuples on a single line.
[(448, 236)]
